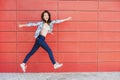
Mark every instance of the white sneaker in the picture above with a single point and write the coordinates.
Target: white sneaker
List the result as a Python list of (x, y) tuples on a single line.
[(57, 65), (23, 67)]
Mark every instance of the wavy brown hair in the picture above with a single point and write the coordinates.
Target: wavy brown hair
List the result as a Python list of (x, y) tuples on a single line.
[(42, 16)]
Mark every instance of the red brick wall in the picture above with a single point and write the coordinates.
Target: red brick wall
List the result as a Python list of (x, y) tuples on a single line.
[(90, 42)]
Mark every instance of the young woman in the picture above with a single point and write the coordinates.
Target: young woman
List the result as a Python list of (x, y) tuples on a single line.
[(45, 26)]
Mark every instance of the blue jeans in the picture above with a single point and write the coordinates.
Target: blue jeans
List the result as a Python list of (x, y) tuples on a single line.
[(40, 41)]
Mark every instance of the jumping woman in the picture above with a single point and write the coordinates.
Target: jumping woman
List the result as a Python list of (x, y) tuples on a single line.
[(45, 26)]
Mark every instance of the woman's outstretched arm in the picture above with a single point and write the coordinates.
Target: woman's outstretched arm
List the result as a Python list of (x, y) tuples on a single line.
[(62, 20), (22, 25), (29, 24), (66, 19)]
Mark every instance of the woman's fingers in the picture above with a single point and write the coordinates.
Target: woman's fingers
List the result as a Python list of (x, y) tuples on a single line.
[(20, 26), (69, 18)]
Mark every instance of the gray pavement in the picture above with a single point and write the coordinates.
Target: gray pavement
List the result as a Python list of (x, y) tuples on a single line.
[(61, 76)]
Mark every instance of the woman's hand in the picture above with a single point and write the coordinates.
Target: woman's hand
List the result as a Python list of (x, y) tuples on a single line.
[(21, 25), (69, 18)]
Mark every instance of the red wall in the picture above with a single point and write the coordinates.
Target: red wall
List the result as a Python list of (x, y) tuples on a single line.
[(88, 43)]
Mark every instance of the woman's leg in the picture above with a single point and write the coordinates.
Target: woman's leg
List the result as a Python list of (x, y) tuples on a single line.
[(45, 46), (34, 49)]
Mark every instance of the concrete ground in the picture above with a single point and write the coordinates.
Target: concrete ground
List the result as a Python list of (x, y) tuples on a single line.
[(61, 76)]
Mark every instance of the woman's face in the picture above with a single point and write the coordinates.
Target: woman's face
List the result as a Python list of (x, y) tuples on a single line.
[(46, 17)]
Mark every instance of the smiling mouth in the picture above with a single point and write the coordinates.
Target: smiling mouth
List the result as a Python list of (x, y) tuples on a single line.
[(46, 19)]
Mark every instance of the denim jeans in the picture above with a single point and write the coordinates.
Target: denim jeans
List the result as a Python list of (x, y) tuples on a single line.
[(40, 42)]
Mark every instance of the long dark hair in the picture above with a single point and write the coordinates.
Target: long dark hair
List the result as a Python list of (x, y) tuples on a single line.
[(42, 16)]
